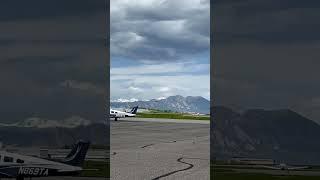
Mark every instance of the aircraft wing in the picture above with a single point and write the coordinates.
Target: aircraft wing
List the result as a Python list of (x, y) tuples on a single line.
[(271, 167), (130, 115), (285, 168), (298, 168)]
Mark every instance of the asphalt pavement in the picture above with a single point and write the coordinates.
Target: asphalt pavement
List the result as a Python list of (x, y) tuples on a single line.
[(159, 149)]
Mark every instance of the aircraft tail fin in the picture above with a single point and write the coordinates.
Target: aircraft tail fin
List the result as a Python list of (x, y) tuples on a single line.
[(134, 110), (78, 153)]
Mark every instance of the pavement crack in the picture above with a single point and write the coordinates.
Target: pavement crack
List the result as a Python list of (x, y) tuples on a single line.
[(173, 172), (147, 145), (173, 141)]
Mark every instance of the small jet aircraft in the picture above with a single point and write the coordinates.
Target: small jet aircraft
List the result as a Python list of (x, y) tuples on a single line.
[(121, 114), (283, 166), (18, 166)]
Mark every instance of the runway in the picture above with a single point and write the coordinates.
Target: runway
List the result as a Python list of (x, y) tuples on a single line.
[(159, 149)]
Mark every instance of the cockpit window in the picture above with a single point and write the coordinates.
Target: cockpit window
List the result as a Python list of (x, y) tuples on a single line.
[(20, 161), (112, 112), (7, 159)]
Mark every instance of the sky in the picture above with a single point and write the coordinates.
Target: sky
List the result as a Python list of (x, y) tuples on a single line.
[(267, 55), (52, 59), (159, 48)]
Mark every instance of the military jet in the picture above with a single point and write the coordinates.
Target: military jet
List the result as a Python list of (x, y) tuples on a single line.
[(18, 166)]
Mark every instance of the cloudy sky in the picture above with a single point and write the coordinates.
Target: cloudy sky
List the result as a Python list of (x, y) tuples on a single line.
[(52, 59), (159, 48), (267, 55)]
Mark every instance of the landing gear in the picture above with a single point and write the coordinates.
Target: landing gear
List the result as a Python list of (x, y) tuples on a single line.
[(115, 119)]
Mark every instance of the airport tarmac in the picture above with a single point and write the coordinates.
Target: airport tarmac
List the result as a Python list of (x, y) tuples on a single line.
[(185, 121), (159, 149), (279, 172)]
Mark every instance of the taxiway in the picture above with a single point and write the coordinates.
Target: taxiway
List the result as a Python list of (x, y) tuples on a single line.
[(159, 149)]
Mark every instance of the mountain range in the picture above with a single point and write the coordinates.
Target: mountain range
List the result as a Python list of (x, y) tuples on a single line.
[(173, 103), (37, 122), (283, 135), (53, 136)]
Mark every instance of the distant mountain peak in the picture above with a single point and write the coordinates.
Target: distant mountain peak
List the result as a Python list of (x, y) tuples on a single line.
[(176, 103), (268, 133)]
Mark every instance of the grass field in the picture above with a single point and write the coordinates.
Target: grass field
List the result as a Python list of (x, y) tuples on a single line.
[(243, 176), (95, 169), (172, 116), (228, 174)]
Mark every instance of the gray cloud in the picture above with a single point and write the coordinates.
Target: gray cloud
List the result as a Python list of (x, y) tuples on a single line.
[(44, 44), (159, 30), (266, 55), (266, 21), (37, 9)]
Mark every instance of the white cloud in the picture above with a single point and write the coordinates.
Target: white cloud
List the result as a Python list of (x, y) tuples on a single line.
[(125, 100), (185, 85), (160, 98), (135, 89), (173, 67), (164, 89)]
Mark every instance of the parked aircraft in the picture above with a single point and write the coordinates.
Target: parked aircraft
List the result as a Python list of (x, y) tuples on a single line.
[(18, 166)]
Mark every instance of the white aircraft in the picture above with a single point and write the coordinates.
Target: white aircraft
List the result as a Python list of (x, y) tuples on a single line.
[(121, 114), (283, 166), (18, 166)]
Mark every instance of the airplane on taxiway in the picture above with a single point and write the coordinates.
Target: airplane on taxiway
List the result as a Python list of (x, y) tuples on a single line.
[(121, 114)]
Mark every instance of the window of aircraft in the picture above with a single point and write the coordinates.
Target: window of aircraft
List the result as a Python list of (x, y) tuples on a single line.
[(116, 112), (20, 161), (112, 111), (7, 159)]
